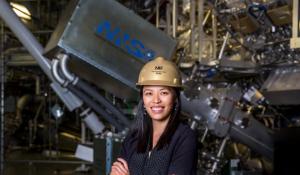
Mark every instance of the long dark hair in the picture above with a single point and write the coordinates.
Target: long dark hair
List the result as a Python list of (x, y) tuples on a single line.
[(143, 131)]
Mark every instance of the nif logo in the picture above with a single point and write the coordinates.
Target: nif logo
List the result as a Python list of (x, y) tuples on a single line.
[(122, 40), (158, 67)]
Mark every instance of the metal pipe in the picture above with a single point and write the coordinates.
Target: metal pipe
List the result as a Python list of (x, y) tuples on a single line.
[(174, 18), (295, 24), (37, 85), (204, 135), (168, 16), (83, 140), (109, 148), (42, 32), (157, 4), (63, 65), (92, 122), (39, 9), (200, 29), (2, 102), (223, 46), (30, 133), (49, 128), (256, 136), (199, 106), (21, 63), (214, 167), (193, 21), (83, 132), (206, 18), (12, 50), (55, 73), (214, 29), (37, 114)]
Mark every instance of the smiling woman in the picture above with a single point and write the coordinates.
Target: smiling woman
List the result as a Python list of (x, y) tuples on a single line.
[(159, 142)]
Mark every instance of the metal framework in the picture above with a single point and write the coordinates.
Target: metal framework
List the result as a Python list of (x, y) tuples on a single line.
[(295, 40)]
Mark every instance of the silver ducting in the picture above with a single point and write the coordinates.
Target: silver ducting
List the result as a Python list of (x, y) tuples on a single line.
[(227, 119), (92, 122), (282, 86)]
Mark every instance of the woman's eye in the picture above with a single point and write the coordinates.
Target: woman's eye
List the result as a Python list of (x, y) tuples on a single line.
[(165, 93), (147, 93)]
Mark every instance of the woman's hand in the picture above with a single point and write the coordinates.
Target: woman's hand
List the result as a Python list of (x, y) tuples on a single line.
[(119, 167)]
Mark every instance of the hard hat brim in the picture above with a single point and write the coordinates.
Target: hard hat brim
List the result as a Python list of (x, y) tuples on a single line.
[(157, 83)]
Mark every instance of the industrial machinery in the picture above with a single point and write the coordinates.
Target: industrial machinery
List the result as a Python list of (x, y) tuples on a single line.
[(239, 71)]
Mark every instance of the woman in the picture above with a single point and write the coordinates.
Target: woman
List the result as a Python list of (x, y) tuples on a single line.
[(159, 143)]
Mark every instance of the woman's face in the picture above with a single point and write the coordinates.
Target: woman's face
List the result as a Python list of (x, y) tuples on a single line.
[(158, 101)]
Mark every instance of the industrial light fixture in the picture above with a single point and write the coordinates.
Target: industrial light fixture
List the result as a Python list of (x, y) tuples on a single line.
[(21, 11), (57, 111)]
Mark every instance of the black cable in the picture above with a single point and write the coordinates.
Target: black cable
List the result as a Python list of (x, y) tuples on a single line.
[(94, 94), (89, 100), (95, 107)]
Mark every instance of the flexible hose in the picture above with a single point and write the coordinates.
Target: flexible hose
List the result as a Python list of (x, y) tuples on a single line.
[(93, 93), (95, 107)]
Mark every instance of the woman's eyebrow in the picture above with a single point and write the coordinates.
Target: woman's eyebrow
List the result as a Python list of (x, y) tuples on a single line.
[(165, 89), (147, 90)]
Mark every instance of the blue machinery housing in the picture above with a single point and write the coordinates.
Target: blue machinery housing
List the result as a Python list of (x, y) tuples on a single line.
[(108, 47)]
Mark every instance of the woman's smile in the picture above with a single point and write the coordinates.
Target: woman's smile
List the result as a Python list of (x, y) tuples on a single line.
[(157, 109)]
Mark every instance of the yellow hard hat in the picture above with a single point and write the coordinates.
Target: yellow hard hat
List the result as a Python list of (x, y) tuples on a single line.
[(160, 72)]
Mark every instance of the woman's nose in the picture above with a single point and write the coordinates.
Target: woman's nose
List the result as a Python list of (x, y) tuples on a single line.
[(156, 98)]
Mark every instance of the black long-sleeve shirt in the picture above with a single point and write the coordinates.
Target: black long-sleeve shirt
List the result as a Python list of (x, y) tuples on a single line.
[(179, 157)]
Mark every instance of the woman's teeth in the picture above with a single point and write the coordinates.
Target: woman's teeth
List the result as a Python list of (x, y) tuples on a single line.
[(157, 109)]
